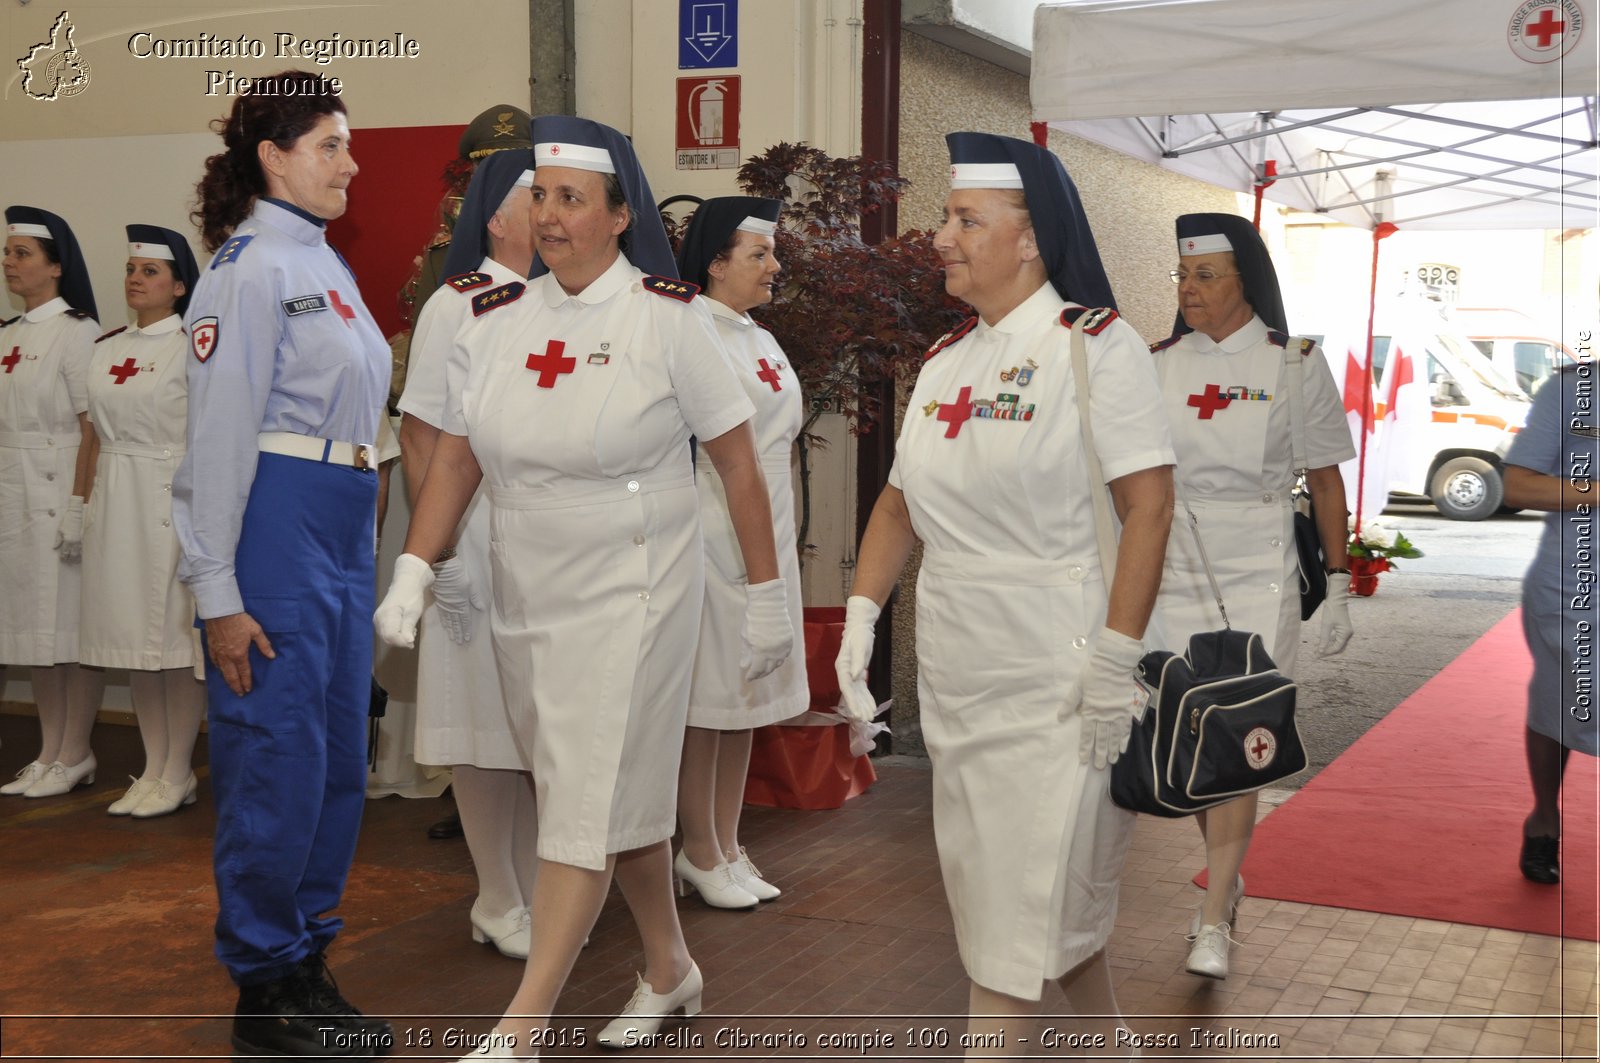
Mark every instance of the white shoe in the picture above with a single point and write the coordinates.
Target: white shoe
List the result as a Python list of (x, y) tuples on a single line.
[(1233, 908), (129, 801), (59, 779), (1208, 956), (512, 933), (642, 1017), (29, 775), (717, 887), (166, 798), (747, 876)]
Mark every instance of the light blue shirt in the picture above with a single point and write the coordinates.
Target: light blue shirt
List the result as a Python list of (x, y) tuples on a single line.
[(279, 341), (1560, 440)]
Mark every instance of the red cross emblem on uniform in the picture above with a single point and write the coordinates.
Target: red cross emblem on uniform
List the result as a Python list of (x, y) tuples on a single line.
[(955, 414), (10, 361), (770, 375), (1209, 401), (552, 364), (125, 370), (340, 308)]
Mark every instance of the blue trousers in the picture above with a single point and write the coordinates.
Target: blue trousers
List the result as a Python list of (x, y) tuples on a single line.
[(289, 759)]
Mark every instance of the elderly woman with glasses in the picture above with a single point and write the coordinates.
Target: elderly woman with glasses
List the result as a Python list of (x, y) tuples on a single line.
[(1226, 374)]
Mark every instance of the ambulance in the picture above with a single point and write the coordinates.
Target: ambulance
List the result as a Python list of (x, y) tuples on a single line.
[(1454, 457)]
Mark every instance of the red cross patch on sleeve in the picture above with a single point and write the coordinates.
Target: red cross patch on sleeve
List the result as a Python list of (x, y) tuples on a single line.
[(203, 338), (672, 288)]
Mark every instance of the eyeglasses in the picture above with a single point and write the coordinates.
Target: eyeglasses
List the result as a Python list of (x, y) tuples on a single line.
[(1203, 276)]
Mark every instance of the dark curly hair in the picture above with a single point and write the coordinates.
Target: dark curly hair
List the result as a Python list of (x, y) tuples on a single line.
[(278, 107)]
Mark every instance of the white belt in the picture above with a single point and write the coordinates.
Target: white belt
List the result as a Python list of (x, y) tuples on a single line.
[(588, 492), (311, 448), (1008, 571), (30, 440), (143, 450)]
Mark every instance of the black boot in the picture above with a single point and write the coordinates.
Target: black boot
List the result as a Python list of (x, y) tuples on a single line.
[(374, 1036), (280, 1018)]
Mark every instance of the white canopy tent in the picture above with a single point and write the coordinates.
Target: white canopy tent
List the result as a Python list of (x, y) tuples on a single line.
[(1428, 114)]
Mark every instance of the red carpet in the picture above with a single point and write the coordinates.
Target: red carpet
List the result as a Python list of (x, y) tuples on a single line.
[(1423, 815)]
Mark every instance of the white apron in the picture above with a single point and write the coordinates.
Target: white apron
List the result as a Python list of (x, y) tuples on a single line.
[(44, 356), (1009, 599), (1244, 512), (718, 697), (138, 615), (595, 547)]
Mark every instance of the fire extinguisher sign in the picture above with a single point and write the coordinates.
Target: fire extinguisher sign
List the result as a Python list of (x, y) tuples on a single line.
[(708, 123)]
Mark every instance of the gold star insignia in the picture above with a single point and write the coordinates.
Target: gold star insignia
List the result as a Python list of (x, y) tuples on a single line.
[(931, 408)]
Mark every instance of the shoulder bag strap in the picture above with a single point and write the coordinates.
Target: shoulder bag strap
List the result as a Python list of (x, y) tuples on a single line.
[(1099, 493)]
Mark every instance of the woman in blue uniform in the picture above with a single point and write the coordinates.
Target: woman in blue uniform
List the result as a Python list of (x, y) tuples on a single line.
[(44, 366), (1551, 467), (288, 376)]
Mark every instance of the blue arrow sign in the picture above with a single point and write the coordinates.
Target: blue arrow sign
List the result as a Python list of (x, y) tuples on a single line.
[(708, 34)]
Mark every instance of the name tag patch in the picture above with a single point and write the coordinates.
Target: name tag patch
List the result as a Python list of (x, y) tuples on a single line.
[(305, 304)]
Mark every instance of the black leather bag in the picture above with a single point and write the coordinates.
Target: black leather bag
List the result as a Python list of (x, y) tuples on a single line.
[(1313, 562), (1220, 724)]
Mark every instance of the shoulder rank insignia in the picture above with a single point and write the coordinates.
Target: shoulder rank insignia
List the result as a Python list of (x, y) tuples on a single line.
[(672, 288), (1276, 338), (1307, 345), (951, 337), (1156, 348), (1096, 321), (506, 293), (465, 282), (4, 321), (113, 332), (229, 251), (79, 314)]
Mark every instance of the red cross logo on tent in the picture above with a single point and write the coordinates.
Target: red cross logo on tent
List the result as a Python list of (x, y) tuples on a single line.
[(125, 370), (10, 361), (551, 365), (1543, 31)]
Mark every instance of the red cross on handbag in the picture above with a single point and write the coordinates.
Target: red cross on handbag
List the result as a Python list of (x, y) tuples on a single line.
[(1220, 719)]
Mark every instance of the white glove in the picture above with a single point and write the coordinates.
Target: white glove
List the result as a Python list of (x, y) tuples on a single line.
[(855, 651), (69, 537), (768, 631), (1336, 626), (456, 598), (396, 618), (1111, 698)]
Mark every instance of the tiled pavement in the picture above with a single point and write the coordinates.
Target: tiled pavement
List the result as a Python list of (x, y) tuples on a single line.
[(107, 932)]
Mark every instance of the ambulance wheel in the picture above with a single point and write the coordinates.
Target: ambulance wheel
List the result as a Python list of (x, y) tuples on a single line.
[(1467, 489)]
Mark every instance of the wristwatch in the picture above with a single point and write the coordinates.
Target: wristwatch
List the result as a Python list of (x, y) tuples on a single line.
[(1338, 570), (445, 555)]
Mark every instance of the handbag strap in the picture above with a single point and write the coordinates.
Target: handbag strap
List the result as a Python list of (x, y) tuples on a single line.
[(1099, 492), (1294, 356)]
